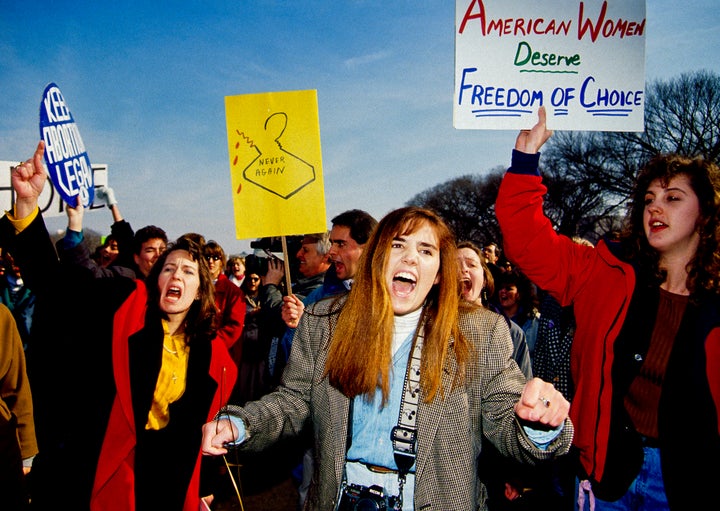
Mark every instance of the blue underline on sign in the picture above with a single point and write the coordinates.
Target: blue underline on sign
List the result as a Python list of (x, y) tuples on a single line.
[(500, 112), (610, 112)]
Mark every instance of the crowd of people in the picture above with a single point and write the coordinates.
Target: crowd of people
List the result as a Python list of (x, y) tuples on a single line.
[(400, 367)]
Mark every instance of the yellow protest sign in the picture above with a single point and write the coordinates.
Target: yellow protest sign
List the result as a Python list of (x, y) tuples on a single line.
[(275, 163)]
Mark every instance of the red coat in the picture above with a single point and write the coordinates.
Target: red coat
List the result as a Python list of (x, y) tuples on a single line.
[(114, 486), (230, 301), (601, 286)]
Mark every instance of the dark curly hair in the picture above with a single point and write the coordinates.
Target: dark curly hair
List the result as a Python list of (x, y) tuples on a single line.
[(704, 178)]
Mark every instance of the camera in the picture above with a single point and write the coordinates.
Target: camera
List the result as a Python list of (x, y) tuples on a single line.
[(266, 248), (256, 264), (271, 243), (361, 498)]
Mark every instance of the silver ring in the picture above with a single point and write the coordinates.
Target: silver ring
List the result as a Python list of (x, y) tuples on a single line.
[(545, 401)]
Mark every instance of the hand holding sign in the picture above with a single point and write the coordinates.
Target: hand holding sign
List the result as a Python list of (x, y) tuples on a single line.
[(530, 141), (67, 160)]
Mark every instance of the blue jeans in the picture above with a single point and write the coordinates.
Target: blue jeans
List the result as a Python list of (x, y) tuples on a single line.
[(646, 493)]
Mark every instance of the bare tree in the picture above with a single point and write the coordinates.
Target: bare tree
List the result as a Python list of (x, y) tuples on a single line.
[(682, 115), (467, 204)]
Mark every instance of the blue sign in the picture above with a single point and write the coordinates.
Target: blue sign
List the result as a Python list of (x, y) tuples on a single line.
[(65, 155)]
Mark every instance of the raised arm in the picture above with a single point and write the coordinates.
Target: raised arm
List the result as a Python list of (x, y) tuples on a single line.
[(75, 215), (28, 180), (108, 195)]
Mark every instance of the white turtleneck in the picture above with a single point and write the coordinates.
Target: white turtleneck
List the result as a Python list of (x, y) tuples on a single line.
[(405, 325)]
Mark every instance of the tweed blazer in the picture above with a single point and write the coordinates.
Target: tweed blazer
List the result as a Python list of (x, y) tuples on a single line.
[(451, 428)]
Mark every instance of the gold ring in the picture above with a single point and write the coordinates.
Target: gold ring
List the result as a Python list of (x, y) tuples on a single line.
[(545, 401)]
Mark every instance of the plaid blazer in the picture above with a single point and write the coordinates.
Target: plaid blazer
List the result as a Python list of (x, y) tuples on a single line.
[(451, 429)]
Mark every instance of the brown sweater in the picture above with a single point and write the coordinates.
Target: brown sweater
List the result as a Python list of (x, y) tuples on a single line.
[(643, 398)]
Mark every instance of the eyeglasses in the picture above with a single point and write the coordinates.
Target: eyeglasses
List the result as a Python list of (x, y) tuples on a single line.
[(209, 258)]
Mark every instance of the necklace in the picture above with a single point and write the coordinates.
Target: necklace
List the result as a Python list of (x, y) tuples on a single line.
[(169, 350)]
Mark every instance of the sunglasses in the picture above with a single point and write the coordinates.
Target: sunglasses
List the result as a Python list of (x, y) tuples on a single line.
[(209, 258)]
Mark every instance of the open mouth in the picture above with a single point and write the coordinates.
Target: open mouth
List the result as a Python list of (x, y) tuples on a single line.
[(173, 293), (657, 225), (466, 285), (403, 283)]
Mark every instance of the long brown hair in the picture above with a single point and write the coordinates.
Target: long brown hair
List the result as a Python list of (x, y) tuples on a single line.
[(359, 358), (704, 178), (201, 318)]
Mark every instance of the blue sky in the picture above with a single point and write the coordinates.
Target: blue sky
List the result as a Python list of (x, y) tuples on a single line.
[(146, 82)]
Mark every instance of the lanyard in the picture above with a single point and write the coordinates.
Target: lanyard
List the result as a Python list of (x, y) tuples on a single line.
[(404, 435)]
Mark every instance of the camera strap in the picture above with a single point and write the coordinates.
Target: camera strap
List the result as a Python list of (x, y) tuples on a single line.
[(404, 435)]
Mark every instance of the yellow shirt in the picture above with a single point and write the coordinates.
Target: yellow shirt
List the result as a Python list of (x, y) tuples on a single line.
[(171, 380), (21, 223)]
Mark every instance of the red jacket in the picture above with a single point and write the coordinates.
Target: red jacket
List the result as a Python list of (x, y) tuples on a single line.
[(230, 301), (601, 286), (114, 486)]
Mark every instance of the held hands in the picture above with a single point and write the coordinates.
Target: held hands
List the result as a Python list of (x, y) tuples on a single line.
[(28, 179), (530, 141), (292, 310), (216, 435), (541, 402)]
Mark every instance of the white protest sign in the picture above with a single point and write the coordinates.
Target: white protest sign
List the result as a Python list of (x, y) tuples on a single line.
[(65, 155), (49, 202), (583, 60)]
